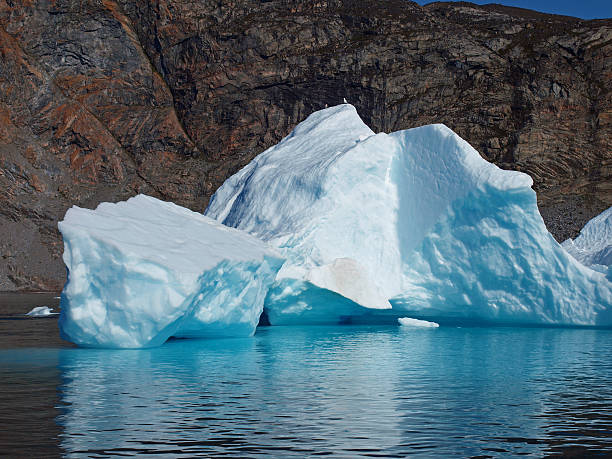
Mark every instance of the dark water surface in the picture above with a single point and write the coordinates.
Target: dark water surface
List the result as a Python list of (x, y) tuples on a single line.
[(347, 391)]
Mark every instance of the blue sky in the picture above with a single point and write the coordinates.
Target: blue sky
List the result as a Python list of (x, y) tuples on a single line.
[(586, 9)]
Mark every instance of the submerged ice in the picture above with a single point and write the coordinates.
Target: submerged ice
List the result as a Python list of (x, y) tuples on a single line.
[(416, 220), (143, 270)]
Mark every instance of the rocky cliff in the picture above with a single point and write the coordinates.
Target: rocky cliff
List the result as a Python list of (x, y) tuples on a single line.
[(103, 99)]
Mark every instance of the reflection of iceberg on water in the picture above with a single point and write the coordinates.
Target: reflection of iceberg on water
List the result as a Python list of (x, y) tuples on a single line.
[(141, 400), (183, 396), (415, 219)]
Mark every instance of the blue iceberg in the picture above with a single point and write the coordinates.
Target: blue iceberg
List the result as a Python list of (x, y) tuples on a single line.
[(143, 270), (415, 221)]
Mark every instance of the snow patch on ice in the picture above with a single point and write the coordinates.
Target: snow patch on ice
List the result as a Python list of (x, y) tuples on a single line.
[(347, 276)]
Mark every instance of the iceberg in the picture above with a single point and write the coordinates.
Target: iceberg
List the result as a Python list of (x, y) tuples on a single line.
[(143, 270), (41, 311), (416, 221), (593, 246)]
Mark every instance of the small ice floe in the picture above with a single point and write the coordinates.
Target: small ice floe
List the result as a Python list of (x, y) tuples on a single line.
[(41, 311), (408, 322)]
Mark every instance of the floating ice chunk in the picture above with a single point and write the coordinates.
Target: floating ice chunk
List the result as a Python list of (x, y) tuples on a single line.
[(431, 226), (143, 270), (408, 322), (41, 311)]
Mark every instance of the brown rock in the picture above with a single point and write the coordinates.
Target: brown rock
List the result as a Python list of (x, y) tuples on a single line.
[(103, 100)]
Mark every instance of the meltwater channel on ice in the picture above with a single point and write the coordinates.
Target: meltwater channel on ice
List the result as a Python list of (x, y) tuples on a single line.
[(334, 224)]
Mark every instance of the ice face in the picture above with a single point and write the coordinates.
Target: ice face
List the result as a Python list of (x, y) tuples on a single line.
[(490, 257), (416, 219), (143, 270), (593, 246)]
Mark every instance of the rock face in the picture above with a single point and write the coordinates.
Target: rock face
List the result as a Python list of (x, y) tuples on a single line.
[(101, 100)]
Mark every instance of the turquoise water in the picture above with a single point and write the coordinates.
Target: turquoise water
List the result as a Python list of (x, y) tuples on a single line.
[(346, 391)]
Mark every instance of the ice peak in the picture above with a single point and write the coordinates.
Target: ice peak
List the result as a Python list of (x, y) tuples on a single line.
[(332, 119)]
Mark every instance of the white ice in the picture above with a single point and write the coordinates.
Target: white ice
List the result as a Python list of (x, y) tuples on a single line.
[(416, 323), (593, 246), (416, 219), (41, 311), (143, 270)]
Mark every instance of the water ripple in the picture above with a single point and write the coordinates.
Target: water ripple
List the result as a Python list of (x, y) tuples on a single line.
[(338, 391)]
